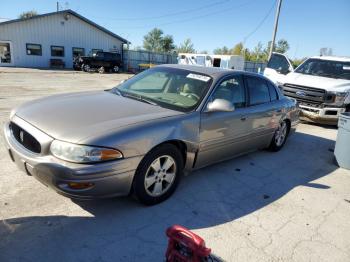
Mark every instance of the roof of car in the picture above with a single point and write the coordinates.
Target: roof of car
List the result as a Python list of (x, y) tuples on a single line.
[(214, 72), (333, 58)]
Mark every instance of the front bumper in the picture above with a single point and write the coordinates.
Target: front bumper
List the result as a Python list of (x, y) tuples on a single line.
[(326, 115), (107, 179)]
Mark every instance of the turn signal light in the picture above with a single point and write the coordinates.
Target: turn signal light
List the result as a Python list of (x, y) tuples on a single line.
[(75, 185)]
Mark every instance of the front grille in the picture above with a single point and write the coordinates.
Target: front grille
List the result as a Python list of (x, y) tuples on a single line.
[(307, 95), (25, 139)]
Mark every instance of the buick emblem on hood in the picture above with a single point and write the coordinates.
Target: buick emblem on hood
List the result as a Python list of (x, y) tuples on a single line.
[(21, 136), (300, 93)]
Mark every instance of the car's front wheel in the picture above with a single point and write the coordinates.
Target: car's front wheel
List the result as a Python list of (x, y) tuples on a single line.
[(280, 136), (158, 174)]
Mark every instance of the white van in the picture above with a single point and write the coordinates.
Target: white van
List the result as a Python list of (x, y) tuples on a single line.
[(321, 85), (222, 61)]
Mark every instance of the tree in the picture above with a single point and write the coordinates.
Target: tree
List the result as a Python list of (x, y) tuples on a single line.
[(28, 14), (237, 49), (156, 42), (222, 51), (186, 47), (168, 43), (282, 46)]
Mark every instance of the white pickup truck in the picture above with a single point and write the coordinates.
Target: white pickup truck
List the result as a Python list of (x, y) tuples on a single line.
[(321, 85)]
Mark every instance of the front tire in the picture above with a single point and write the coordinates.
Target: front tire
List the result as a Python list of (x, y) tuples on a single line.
[(158, 174), (280, 137)]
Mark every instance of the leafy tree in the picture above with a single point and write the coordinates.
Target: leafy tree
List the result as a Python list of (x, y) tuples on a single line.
[(296, 62), (156, 42), (237, 49), (186, 47), (222, 51), (167, 43), (28, 14), (282, 46)]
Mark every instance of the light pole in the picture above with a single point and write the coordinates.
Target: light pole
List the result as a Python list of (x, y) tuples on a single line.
[(275, 27)]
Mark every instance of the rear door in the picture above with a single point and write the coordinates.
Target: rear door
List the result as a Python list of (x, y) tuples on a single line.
[(277, 68), (263, 110)]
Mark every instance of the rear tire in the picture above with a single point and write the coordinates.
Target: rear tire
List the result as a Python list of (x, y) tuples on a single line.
[(280, 137), (86, 68), (158, 174), (115, 69)]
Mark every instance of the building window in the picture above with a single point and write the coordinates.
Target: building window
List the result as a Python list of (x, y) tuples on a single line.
[(57, 51), (94, 51), (34, 49), (78, 51)]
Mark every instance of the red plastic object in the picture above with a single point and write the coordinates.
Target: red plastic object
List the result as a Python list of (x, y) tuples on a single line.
[(185, 246)]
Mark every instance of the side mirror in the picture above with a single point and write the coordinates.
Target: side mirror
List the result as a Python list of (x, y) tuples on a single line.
[(220, 105)]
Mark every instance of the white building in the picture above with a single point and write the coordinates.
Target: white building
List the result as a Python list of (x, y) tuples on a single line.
[(36, 41)]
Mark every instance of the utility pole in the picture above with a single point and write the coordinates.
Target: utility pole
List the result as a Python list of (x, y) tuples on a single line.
[(57, 6), (275, 27)]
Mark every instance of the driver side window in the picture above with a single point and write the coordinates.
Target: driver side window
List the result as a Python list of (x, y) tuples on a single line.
[(231, 90)]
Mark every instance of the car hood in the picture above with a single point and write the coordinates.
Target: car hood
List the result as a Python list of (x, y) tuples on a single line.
[(327, 83), (73, 117)]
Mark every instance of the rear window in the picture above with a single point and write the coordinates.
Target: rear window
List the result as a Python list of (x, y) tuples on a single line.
[(258, 91), (273, 92)]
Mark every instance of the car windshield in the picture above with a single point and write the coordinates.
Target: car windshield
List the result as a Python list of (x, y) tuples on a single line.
[(325, 68), (171, 88)]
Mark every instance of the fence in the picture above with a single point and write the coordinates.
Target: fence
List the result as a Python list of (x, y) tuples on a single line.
[(133, 59)]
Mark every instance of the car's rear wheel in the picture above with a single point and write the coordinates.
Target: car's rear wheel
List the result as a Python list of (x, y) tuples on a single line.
[(86, 68), (115, 69), (158, 174), (280, 136)]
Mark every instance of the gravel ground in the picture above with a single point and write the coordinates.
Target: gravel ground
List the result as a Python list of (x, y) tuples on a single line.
[(293, 205)]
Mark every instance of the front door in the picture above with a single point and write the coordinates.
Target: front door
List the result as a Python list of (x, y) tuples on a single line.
[(223, 134), (6, 58)]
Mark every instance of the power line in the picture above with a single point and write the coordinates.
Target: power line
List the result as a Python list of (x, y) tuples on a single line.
[(260, 23), (190, 19), (168, 14)]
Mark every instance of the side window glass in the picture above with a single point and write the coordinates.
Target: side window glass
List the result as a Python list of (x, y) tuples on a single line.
[(231, 90), (279, 63), (273, 92), (258, 91)]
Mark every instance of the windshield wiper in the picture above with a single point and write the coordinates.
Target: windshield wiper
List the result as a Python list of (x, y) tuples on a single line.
[(137, 97)]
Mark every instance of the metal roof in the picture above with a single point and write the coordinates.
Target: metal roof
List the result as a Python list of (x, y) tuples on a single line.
[(69, 11)]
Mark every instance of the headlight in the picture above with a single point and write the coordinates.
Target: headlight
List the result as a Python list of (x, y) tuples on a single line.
[(347, 98), (82, 154), (340, 98)]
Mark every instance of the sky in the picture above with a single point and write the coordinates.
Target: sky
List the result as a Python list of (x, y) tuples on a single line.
[(307, 25)]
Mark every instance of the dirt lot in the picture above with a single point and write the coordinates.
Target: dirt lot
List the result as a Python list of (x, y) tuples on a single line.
[(293, 205)]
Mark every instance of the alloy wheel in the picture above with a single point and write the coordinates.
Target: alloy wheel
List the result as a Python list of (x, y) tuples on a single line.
[(281, 134), (160, 175)]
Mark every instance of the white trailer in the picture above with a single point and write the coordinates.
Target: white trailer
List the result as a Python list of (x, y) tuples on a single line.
[(223, 61)]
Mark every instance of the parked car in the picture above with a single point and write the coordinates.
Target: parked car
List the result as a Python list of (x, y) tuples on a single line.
[(99, 61), (321, 85), (140, 136)]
